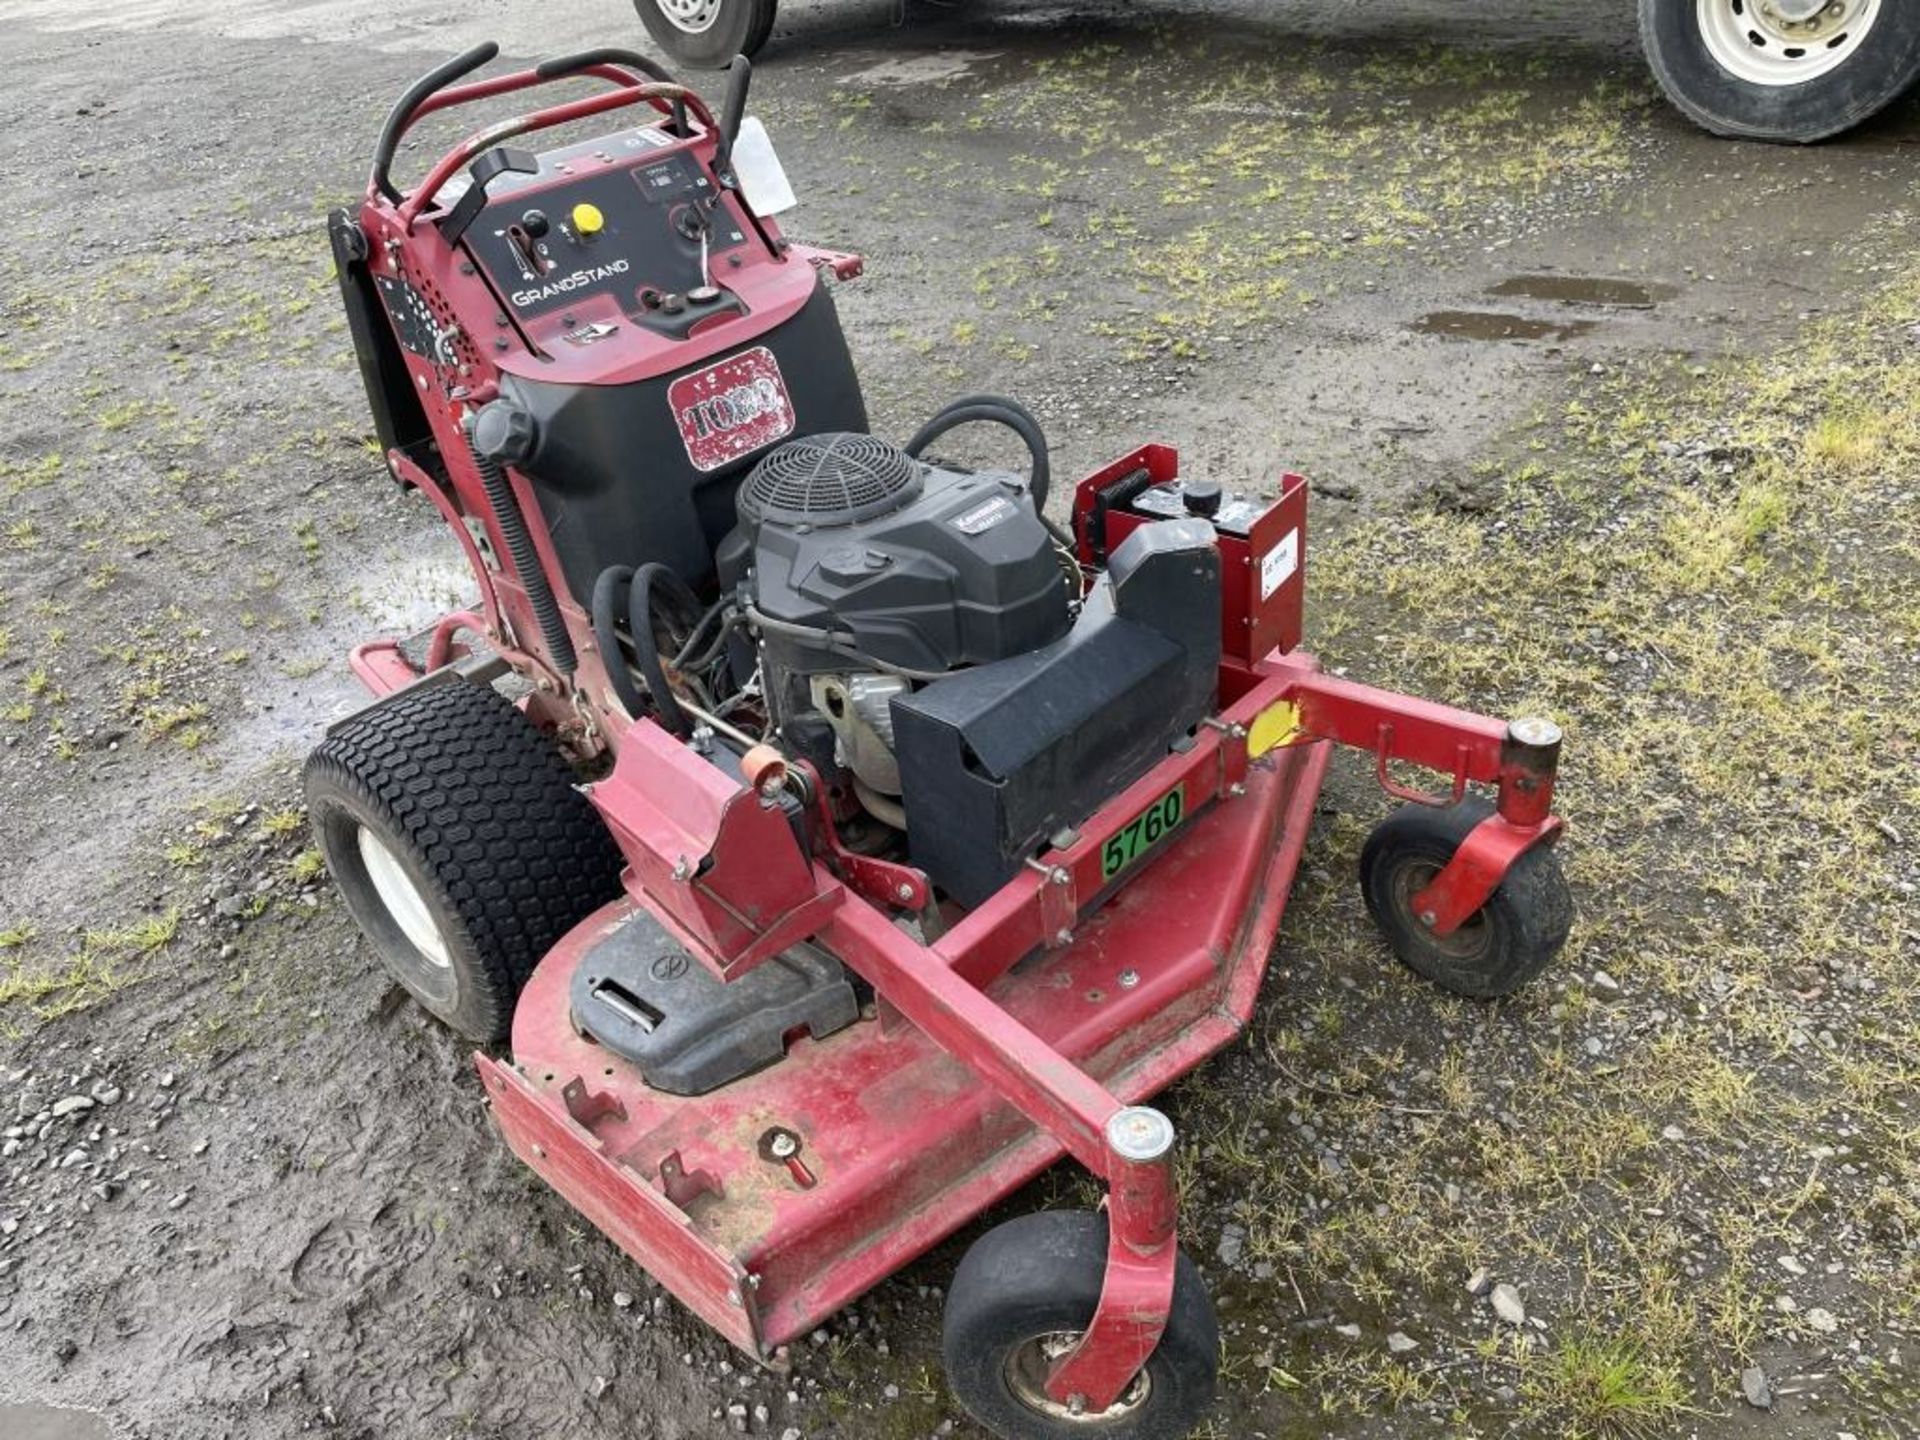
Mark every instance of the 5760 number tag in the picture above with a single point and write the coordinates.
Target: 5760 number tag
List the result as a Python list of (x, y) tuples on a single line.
[(1142, 833)]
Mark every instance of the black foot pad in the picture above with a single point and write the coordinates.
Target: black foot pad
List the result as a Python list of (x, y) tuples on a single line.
[(643, 997)]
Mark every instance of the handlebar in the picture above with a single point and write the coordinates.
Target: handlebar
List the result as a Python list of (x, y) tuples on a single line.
[(401, 116), (430, 94), (561, 65)]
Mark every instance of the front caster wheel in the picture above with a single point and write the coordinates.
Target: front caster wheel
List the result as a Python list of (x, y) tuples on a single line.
[(1024, 1295), (1504, 944)]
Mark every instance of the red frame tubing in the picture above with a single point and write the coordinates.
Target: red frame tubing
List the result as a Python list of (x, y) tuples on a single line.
[(1519, 758)]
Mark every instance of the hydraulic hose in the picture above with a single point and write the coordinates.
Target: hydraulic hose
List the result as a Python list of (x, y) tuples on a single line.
[(526, 561), (998, 410), (645, 653), (607, 590)]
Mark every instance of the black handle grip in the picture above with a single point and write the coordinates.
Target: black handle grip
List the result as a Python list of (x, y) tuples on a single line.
[(734, 108), (436, 79), (566, 64)]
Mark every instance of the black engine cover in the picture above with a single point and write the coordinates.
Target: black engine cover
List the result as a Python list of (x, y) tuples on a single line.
[(995, 759), (924, 568)]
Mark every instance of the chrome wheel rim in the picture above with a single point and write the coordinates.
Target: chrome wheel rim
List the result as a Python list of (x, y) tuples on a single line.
[(691, 17), (404, 903), (1029, 1365), (1784, 42)]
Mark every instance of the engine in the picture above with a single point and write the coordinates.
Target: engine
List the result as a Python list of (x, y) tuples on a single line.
[(920, 638), (868, 571)]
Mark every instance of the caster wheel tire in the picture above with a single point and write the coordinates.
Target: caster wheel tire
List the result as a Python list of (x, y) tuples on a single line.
[(1785, 70), (708, 33), (1023, 1296), (1507, 942), (455, 834)]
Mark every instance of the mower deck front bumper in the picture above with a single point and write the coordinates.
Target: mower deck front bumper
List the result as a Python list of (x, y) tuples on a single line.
[(770, 1204)]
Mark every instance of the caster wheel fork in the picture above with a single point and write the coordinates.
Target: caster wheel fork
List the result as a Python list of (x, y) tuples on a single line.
[(1501, 946)]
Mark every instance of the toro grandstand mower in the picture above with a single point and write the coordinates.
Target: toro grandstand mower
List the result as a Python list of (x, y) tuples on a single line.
[(840, 840)]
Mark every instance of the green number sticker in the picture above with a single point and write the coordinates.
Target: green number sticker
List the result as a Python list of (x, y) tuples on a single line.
[(1142, 833)]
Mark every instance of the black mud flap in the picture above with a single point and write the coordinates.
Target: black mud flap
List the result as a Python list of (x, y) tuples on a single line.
[(643, 997)]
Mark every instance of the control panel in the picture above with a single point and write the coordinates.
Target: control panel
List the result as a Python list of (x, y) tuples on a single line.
[(628, 217), (1231, 514)]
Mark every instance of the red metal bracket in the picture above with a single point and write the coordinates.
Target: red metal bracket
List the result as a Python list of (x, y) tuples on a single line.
[(716, 860), (842, 264), (1519, 759), (880, 882), (1141, 1254), (1476, 870)]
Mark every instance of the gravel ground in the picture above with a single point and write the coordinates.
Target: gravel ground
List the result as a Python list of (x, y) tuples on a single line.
[(1604, 417)]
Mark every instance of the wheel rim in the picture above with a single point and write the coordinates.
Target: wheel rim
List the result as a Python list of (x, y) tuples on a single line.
[(691, 17), (1784, 42), (404, 903), (1030, 1364), (1470, 939)]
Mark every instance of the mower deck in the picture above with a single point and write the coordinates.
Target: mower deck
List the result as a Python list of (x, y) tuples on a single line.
[(896, 1143)]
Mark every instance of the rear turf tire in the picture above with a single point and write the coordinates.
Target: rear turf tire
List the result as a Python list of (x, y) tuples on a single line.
[(1504, 944), (1743, 68), (462, 848), (708, 33), (1034, 1283)]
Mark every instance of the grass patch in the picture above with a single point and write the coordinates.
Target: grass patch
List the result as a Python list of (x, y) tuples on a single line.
[(1606, 1387), (105, 962), (1714, 584)]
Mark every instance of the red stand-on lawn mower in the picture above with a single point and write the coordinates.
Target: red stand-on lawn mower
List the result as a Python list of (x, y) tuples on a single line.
[(926, 838)]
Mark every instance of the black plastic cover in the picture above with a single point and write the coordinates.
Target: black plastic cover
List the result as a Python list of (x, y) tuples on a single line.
[(962, 573), (645, 999), (612, 474), (996, 759)]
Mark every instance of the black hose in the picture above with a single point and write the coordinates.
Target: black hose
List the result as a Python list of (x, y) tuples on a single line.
[(999, 410), (646, 653), (607, 591), (526, 561), (687, 660)]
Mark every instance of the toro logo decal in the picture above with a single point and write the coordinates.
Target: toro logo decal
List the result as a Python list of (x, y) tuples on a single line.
[(732, 408)]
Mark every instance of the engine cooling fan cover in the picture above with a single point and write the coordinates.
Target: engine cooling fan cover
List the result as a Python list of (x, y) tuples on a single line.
[(834, 478)]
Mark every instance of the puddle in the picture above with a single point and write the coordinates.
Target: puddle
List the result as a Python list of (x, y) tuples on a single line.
[(939, 68), (44, 1422), (1492, 325), (308, 685), (1586, 290)]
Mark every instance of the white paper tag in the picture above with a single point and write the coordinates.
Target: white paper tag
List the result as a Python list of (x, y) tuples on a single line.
[(763, 180), (1278, 564)]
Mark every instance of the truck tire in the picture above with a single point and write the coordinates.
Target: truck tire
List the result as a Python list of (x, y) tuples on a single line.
[(460, 844), (708, 33), (1782, 70)]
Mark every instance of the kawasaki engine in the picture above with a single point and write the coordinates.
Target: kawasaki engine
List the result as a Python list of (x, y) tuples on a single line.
[(921, 637)]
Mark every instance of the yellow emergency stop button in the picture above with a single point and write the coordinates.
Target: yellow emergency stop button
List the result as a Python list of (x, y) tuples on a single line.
[(587, 220)]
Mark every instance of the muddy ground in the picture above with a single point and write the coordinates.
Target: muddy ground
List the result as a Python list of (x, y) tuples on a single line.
[(1604, 417)]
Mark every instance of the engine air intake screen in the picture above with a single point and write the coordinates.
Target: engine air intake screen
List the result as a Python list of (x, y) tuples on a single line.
[(835, 478)]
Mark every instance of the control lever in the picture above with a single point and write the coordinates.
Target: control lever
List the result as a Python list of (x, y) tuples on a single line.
[(733, 109), (485, 170)]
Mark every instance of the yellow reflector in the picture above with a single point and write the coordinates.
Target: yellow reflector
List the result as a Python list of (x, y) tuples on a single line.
[(1273, 727)]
